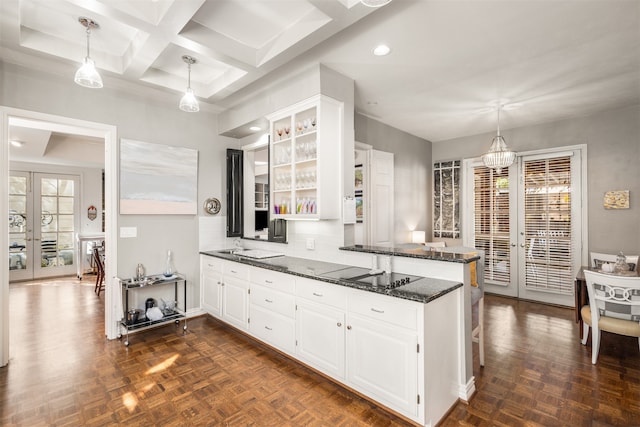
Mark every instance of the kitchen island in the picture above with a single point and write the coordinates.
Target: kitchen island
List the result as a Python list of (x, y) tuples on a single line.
[(394, 338)]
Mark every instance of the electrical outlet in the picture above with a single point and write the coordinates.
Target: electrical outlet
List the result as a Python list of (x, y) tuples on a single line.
[(311, 243)]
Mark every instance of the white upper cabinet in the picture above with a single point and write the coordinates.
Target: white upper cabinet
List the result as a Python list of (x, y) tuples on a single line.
[(306, 159)]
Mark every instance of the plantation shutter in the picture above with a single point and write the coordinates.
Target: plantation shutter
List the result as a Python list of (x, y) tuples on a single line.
[(491, 222), (547, 204)]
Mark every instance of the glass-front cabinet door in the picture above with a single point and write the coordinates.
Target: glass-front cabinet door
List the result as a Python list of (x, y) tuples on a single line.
[(305, 160)]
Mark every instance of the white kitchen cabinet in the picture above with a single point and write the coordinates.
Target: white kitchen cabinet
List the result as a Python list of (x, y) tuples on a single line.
[(306, 142), (320, 337), (320, 314), (211, 285), (382, 350), (235, 293), (272, 309)]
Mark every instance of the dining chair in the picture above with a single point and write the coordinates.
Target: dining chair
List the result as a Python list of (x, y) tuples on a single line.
[(597, 259), (614, 306), (97, 257)]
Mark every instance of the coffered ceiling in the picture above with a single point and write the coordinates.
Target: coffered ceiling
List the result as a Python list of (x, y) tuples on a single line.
[(448, 61)]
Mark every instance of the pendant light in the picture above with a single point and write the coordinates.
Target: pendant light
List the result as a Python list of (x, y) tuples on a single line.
[(499, 155), (87, 75), (189, 103), (374, 3)]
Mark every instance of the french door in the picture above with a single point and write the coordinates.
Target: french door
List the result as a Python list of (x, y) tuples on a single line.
[(528, 219), (43, 219)]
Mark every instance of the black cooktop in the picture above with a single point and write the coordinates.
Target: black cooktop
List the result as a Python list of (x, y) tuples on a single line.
[(387, 281)]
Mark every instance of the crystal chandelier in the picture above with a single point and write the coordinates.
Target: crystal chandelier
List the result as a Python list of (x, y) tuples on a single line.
[(87, 75), (499, 156), (189, 103)]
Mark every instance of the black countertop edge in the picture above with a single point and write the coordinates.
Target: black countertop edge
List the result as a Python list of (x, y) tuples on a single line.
[(421, 253), (422, 291)]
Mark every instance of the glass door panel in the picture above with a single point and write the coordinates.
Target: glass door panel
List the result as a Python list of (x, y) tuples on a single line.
[(20, 229), (56, 207)]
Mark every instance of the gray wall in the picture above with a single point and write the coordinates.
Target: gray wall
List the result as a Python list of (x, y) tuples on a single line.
[(613, 156), (145, 118), (413, 178)]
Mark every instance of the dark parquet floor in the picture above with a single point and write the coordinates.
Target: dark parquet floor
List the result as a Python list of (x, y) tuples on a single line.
[(63, 372)]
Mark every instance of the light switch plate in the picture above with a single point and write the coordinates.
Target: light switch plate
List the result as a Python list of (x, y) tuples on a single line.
[(128, 232), (311, 243)]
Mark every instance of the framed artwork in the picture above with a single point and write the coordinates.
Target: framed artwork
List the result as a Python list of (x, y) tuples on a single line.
[(359, 207), (446, 199), (157, 179), (358, 181), (616, 199)]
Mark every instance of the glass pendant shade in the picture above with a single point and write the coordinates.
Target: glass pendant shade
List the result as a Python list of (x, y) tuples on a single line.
[(189, 103), (374, 3), (499, 156), (87, 75)]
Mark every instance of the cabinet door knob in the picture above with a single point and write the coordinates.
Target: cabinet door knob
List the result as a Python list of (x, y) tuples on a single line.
[(349, 327), (339, 324)]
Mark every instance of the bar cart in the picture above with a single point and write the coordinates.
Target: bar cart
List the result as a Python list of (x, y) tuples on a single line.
[(173, 314)]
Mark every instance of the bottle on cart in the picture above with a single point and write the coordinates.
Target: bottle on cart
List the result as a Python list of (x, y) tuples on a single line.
[(168, 269), (139, 271)]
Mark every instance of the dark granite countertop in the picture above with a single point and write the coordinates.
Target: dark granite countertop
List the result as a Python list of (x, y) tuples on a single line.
[(420, 289), (423, 252)]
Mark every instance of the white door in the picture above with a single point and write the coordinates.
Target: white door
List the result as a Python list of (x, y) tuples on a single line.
[(43, 220), (528, 219), (380, 200), (55, 205), (549, 224)]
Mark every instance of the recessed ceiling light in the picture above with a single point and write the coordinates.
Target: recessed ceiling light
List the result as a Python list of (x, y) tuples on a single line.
[(17, 143), (260, 163), (381, 50), (255, 128)]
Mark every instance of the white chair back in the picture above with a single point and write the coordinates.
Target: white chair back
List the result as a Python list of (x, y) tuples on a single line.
[(597, 259), (613, 296)]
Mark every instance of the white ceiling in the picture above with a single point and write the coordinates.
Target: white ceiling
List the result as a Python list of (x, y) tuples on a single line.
[(449, 59)]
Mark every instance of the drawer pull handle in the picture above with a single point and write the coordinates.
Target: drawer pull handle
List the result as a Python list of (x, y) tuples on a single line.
[(268, 300), (268, 328), (377, 311), (233, 271), (339, 324), (317, 295), (269, 282)]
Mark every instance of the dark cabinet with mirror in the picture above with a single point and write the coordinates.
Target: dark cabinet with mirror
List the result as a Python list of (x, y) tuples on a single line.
[(236, 186)]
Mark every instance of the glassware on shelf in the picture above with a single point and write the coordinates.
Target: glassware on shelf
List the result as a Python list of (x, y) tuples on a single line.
[(299, 127), (279, 132), (287, 130)]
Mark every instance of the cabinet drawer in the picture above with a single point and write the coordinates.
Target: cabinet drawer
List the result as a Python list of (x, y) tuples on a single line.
[(273, 279), (234, 269), (211, 263), (384, 308), (273, 329), (273, 300), (322, 292)]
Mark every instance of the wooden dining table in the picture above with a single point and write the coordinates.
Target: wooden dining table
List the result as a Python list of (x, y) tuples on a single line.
[(581, 293)]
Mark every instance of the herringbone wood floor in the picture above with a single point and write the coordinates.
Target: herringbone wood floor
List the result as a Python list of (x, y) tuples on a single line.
[(63, 372)]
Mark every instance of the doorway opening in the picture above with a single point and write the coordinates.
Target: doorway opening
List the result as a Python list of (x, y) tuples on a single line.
[(58, 125)]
